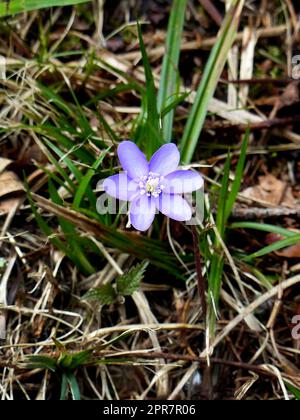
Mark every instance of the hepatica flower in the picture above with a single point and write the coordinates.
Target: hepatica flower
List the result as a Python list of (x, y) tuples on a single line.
[(154, 185)]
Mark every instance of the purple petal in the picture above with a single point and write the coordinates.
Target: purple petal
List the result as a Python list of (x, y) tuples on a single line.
[(133, 161), (174, 206), (165, 160), (142, 212), (121, 186), (180, 182)]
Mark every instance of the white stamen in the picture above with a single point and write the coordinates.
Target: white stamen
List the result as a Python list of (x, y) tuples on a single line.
[(151, 185)]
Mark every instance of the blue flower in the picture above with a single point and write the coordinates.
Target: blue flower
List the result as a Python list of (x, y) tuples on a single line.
[(154, 185)]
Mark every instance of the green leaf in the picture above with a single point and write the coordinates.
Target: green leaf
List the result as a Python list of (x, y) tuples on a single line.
[(169, 73), (120, 88), (45, 228), (85, 183), (56, 133), (222, 203), (69, 183), (210, 78), (76, 172), (55, 99), (63, 387), (150, 135), (10, 7), (72, 361), (284, 243), (263, 227), (235, 188), (172, 104), (74, 387), (105, 294), (129, 282), (41, 362), (294, 391), (2, 262), (76, 253), (215, 280), (140, 246)]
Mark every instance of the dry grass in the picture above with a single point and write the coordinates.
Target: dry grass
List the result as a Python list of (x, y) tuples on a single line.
[(154, 344)]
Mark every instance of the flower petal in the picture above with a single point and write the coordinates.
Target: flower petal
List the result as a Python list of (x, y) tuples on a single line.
[(121, 186), (142, 212), (180, 182), (133, 161), (174, 206), (165, 160)]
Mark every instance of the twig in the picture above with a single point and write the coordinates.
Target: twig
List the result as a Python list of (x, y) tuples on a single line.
[(261, 81), (206, 44), (253, 213), (161, 355), (274, 122), (191, 358), (212, 11)]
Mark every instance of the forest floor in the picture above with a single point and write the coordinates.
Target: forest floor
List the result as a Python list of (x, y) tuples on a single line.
[(91, 308)]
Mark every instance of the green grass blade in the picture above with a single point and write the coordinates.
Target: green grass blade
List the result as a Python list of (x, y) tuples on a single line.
[(55, 133), (45, 228), (63, 387), (276, 246), (222, 203), (173, 103), (74, 387), (110, 132), (41, 362), (73, 169), (55, 99), (294, 391), (209, 81), (122, 87), (8, 8), (56, 164), (151, 136), (169, 73), (142, 247), (235, 188), (69, 230), (215, 276), (263, 227), (85, 183)]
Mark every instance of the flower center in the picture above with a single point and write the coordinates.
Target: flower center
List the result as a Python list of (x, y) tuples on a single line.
[(151, 185)]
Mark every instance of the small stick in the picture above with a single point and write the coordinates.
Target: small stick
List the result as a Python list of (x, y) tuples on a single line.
[(262, 81), (205, 44), (271, 123), (253, 213), (212, 11), (190, 358)]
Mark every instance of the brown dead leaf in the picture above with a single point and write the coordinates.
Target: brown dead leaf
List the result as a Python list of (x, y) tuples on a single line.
[(6, 204), (10, 187), (9, 183), (273, 191), (289, 252), (290, 95), (4, 163)]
